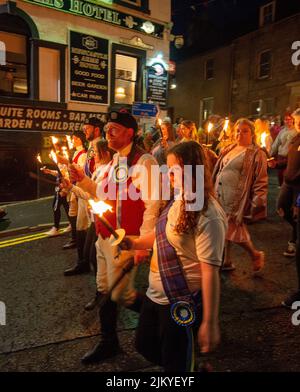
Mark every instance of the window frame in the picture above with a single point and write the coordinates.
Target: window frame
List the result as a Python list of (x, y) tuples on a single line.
[(262, 16), (143, 7), (28, 69), (62, 49), (259, 64), (141, 63), (212, 68)]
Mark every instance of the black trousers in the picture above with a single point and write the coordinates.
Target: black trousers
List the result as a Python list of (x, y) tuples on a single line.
[(286, 201), (90, 248), (59, 201), (160, 340), (298, 249)]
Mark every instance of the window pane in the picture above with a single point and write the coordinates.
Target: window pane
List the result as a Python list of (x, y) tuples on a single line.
[(209, 72), (265, 64), (13, 68), (125, 79), (49, 75)]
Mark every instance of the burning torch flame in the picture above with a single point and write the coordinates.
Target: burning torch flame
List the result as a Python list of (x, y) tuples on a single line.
[(69, 141), (263, 137), (99, 207), (209, 127), (226, 123), (54, 140), (65, 152), (159, 121), (53, 156), (38, 157)]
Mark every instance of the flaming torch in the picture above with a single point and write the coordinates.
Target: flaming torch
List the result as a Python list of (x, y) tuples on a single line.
[(53, 157), (38, 157), (99, 208), (209, 128), (69, 141), (263, 138)]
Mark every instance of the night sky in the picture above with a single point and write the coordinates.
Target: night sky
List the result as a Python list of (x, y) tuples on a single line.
[(207, 24)]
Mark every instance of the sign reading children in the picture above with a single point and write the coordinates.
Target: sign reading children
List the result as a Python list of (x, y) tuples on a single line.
[(88, 68)]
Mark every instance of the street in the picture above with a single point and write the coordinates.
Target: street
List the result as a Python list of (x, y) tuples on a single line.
[(47, 328)]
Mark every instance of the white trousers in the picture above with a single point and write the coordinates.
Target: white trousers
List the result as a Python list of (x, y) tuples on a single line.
[(109, 267)]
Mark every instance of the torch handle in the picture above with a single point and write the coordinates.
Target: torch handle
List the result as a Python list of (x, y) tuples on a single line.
[(109, 227)]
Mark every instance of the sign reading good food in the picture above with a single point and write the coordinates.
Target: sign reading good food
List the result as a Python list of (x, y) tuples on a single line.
[(88, 68), (157, 84), (91, 9)]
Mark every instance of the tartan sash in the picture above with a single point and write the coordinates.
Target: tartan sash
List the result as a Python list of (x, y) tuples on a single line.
[(171, 273)]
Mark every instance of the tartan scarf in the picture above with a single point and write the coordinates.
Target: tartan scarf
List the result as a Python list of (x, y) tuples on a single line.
[(170, 268)]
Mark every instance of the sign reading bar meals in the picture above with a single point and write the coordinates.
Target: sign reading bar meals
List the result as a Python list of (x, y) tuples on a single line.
[(91, 9), (23, 118), (88, 68)]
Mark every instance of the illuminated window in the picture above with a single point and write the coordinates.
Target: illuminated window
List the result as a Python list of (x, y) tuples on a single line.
[(265, 64), (125, 79), (13, 71), (267, 14), (207, 108)]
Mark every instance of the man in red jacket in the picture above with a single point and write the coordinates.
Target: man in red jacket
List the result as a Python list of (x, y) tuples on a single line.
[(136, 215)]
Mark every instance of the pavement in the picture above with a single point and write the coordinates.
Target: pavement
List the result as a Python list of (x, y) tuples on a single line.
[(47, 328)]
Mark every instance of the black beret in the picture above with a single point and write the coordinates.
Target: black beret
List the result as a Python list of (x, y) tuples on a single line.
[(124, 118)]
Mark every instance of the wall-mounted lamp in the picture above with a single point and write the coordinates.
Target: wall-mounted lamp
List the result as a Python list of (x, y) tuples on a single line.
[(120, 92)]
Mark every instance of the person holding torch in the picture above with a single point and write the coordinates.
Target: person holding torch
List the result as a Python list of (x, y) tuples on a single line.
[(136, 216)]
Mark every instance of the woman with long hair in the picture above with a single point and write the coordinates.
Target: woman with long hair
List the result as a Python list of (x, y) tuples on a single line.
[(166, 141), (188, 131), (184, 271), (241, 184)]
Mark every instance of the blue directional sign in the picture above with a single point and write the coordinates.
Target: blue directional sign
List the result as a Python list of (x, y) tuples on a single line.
[(142, 109)]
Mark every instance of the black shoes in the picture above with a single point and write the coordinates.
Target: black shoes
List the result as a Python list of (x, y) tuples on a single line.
[(70, 245), (78, 270), (94, 302), (105, 349)]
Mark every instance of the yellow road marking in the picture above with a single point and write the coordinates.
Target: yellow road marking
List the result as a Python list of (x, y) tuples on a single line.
[(21, 240)]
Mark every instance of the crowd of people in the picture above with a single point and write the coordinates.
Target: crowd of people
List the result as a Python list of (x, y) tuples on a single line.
[(186, 248)]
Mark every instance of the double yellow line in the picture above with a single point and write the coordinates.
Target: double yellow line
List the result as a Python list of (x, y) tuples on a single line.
[(21, 240)]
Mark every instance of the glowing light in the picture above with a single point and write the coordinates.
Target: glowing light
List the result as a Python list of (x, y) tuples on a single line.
[(38, 157), (53, 156), (159, 121), (263, 137), (120, 92), (226, 124), (70, 142), (148, 27), (99, 207), (54, 140), (65, 152), (209, 127)]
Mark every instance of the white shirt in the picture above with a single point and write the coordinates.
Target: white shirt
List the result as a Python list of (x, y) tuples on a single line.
[(139, 178), (282, 142), (206, 245)]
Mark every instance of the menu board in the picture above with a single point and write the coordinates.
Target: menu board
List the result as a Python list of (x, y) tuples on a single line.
[(157, 84), (88, 68)]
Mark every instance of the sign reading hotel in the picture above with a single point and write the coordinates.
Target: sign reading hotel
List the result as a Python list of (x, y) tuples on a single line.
[(88, 68), (157, 84), (91, 9), (23, 118)]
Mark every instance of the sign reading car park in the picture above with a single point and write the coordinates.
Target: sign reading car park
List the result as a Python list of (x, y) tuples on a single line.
[(88, 68), (141, 109)]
